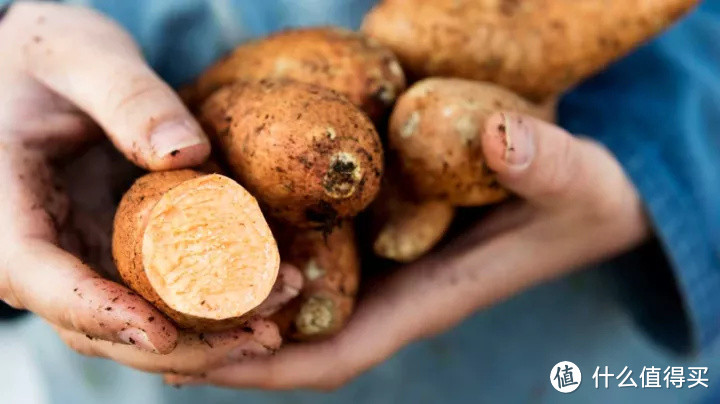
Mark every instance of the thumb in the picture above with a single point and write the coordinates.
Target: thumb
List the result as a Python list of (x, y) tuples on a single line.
[(542, 162), (99, 68), (142, 115)]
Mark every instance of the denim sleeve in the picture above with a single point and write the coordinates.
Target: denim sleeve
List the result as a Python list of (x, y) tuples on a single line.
[(658, 111)]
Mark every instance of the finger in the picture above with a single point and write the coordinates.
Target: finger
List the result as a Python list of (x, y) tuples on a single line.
[(60, 288), (287, 286), (194, 354), (297, 366), (36, 274), (444, 289), (99, 68), (544, 164)]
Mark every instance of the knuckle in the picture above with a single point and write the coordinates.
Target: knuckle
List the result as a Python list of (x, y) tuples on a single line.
[(561, 170), (129, 95), (610, 197)]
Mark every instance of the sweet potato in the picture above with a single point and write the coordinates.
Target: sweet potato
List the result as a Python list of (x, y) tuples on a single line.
[(437, 161), (406, 227), (362, 70), (196, 246), (435, 132), (536, 48), (310, 156), (409, 228), (331, 270)]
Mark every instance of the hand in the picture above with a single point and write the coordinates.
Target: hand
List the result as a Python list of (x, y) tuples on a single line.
[(67, 75), (575, 206)]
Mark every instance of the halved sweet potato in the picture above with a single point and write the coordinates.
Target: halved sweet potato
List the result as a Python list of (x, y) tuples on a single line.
[(196, 246)]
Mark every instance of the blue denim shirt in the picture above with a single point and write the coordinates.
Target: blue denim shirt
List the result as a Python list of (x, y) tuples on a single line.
[(658, 111)]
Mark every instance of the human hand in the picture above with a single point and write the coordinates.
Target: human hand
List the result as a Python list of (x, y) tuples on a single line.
[(69, 74), (575, 206)]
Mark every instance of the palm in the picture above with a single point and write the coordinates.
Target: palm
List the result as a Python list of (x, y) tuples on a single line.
[(94, 183), (70, 177)]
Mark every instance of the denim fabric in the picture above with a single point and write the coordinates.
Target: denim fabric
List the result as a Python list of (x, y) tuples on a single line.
[(658, 111)]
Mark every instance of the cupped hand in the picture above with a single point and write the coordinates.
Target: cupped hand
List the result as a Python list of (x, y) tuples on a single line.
[(575, 206), (68, 75)]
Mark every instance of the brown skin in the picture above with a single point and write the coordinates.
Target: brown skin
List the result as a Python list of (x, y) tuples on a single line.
[(537, 48), (435, 133), (331, 269), (408, 228), (131, 222), (405, 227), (310, 156), (359, 68), (438, 161)]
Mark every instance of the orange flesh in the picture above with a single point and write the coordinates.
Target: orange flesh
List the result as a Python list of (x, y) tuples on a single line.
[(207, 250)]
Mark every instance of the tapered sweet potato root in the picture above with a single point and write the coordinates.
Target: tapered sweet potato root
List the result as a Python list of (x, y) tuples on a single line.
[(537, 48), (331, 270), (407, 228), (362, 70), (197, 246), (310, 156)]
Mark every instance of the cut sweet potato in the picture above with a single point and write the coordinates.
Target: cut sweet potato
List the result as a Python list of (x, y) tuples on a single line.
[(196, 246)]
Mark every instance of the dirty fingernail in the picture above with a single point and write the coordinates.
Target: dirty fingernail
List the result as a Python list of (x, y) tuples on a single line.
[(137, 337), (519, 141), (169, 138)]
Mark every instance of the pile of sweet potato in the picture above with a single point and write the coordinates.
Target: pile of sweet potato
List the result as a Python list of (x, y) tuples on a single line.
[(312, 126)]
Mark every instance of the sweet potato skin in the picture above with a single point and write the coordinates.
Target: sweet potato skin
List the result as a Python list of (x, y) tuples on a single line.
[(362, 70), (128, 232), (330, 264), (435, 133), (308, 155), (408, 228), (536, 48)]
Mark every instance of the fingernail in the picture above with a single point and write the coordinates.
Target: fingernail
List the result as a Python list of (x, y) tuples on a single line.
[(518, 139), (249, 350), (137, 337), (169, 138)]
